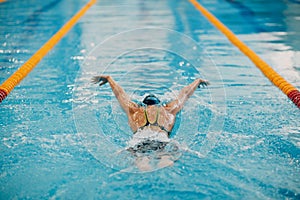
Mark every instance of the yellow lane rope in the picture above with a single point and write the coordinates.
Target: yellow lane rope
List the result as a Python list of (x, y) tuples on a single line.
[(26, 68), (272, 75)]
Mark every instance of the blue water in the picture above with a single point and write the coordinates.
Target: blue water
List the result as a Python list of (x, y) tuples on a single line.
[(59, 133)]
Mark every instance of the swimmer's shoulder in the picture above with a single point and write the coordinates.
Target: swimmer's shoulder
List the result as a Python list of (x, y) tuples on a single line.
[(135, 108)]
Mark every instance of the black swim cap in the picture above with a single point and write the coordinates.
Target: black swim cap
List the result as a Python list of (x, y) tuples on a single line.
[(151, 100)]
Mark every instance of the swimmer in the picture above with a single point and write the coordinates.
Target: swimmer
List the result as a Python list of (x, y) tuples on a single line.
[(150, 118)]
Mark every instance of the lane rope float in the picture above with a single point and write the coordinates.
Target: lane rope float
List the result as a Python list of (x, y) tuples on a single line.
[(288, 89), (10, 83)]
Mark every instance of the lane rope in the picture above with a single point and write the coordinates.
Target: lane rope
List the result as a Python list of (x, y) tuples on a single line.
[(288, 89), (10, 83)]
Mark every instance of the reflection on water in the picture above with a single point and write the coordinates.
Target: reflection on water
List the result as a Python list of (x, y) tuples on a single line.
[(275, 30)]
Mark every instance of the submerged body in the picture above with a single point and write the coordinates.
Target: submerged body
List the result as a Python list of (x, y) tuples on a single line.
[(149, 119), (147, 140)]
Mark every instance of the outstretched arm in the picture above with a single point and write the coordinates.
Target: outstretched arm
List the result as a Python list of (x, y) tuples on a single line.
[(120, 94), (176, 105)]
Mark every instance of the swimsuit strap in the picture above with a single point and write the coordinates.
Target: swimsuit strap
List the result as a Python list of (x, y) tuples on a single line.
[(155, 123), (164, 129), (161, 127)]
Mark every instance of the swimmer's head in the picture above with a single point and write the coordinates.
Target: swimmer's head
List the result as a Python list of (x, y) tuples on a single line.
[(151, 100)]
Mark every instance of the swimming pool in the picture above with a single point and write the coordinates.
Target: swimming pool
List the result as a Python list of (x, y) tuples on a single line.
[(60, 133)]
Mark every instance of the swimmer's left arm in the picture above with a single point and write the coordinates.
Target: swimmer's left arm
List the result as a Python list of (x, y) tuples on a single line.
[(119, 92), (176, 105)]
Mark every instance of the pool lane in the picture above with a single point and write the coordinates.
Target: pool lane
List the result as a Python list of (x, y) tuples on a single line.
[(29, 65), (291, 92)]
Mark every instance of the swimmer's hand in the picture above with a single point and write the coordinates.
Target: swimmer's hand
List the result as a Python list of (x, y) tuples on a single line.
[(202, 83), (100, 79)]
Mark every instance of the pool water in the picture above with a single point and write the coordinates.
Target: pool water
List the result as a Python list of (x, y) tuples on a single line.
[(60, 134)]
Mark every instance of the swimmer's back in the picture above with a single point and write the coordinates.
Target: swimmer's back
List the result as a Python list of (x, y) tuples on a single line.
[(154, 115)]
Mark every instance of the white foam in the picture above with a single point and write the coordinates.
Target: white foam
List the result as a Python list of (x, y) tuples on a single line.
[(147, 134)]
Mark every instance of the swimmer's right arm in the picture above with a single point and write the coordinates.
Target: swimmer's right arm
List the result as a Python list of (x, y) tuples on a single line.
[(120, 94), (176, 105)]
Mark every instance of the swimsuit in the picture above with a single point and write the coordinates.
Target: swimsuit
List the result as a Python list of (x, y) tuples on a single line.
[(147, 140), (155, 123)]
